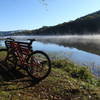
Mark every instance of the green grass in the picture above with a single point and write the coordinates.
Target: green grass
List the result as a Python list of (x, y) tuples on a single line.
[(75, 71), (67, 81)]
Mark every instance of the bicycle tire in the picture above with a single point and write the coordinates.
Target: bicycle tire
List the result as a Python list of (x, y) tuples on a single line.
[(31, 69), (3, 54), (11, 59), (7, 57)]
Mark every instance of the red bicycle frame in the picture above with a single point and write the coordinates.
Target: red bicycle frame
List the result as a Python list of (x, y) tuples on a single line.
[(22, 55)]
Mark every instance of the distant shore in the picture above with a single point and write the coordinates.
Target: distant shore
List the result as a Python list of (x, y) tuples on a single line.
[(89, 43)]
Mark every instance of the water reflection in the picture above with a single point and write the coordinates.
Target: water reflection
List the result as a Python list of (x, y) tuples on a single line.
[(78, 56), (2, 43), (74, 54), (89, 43), (56, 51)]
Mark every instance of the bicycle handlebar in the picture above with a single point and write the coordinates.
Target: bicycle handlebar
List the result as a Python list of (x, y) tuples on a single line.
[(31, 40), (10, 39)]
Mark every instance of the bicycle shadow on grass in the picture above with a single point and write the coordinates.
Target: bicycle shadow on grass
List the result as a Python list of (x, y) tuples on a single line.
[(9, 76)]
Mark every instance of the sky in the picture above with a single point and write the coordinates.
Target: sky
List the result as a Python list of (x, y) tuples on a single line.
[(33, 14)]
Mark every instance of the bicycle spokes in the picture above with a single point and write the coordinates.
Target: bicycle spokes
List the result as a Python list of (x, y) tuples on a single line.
[(39, 64)]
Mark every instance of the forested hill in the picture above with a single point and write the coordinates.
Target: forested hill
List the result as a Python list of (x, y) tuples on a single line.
[(5, 33), (89, 24)]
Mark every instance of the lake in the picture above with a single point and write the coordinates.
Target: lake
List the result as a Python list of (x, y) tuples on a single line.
[(82, 50)]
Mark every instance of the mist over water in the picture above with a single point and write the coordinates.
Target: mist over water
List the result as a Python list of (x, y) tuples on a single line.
[(89, 43), (61, 38), (83, 50)]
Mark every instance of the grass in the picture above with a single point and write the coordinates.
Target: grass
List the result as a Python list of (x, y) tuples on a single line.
[(67, 81), (74, 71)]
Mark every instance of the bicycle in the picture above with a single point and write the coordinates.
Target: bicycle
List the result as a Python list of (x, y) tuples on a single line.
[(20, 54)]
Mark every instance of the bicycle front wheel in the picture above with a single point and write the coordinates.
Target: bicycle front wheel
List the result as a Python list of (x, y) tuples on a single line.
[(39, 65)]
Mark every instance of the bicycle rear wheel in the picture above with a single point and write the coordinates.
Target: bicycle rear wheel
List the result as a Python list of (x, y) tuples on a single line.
[(7, 58), (3, 54), (39, 65)]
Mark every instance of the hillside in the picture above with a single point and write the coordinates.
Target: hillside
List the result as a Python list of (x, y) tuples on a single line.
[(89, 24), (6, 33)]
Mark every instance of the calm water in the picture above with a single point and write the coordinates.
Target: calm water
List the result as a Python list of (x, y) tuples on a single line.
[(56, 51)]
